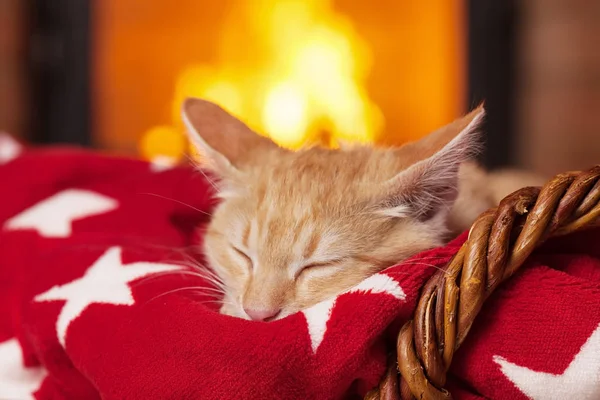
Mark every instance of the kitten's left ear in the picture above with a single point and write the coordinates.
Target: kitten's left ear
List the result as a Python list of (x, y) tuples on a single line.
[(430, 184), (225, 143)]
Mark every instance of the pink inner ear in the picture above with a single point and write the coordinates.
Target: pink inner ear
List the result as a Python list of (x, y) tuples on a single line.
[(421, 190), (216, 132)]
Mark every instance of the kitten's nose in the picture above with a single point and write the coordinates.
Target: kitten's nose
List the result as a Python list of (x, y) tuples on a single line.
[(262, 314)]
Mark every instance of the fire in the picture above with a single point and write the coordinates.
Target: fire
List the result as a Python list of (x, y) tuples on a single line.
[(294, 69)]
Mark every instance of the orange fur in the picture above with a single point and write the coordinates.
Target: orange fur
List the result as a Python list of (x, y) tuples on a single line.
[(295, 228)]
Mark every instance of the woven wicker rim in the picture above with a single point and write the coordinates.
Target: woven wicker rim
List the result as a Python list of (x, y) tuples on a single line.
[(499, 242)]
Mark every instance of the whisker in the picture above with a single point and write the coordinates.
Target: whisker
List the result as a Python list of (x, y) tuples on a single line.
[(192, 268), (199, 168), (160, 274), (208, 274), (432, 257), (180, 272), (177, 201), (216, 302), (198, 289), (203, 288), (192, 160), (216, 281), (212, 183), (425, 264), (195, 288)]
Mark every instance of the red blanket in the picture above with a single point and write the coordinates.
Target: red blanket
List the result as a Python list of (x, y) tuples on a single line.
[(95, 254)]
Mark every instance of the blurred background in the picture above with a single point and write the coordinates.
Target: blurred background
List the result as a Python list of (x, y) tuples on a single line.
[(111, 74)]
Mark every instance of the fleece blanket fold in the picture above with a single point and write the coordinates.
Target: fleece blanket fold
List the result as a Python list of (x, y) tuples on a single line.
[(103, 296)]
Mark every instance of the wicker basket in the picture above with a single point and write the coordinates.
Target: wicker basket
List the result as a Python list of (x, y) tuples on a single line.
[(499, 242)]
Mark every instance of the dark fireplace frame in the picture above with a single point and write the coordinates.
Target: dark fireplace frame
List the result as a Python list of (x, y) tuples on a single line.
[(60, 70), (491, 69)]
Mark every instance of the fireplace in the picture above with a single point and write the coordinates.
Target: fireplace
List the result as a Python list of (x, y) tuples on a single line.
[(111, 74), (301, 70)]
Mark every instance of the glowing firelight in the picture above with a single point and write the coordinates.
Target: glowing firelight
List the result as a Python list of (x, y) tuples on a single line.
[(285, 112), (294, 69)]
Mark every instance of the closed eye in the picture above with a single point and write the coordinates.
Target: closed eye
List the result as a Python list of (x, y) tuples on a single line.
[(319, 265), (245, 256)]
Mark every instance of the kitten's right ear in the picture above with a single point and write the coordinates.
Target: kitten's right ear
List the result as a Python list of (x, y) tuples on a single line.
[(430, 185), (226, 145)]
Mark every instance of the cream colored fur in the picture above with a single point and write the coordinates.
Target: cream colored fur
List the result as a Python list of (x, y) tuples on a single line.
[(294, 228)]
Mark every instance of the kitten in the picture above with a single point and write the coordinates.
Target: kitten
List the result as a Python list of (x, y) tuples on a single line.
[(295, 228)]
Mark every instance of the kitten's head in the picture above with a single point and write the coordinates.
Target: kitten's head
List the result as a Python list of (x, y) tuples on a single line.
[(294, 228)]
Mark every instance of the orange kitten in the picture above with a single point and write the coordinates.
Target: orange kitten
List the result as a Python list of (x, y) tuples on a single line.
[(295, 228)]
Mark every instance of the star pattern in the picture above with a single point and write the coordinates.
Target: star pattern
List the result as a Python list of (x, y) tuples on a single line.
[(16, 380), (9, 148), (581, 379), (318, 315), (162, 163), (54, 216), (105, 282)]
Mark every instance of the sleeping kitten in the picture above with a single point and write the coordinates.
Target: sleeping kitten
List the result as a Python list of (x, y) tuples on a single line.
[(295, 228)]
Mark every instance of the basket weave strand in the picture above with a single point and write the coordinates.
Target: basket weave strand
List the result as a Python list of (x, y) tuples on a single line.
[(499, 242)]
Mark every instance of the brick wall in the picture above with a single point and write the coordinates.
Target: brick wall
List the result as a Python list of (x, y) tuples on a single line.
[(558, 93), (12, 70)]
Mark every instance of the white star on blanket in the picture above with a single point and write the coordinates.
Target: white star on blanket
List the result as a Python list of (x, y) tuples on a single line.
[(162, 163), (9, 148), (16, 380), (318, 315), (105, 282), (581, 379), (54, 216)]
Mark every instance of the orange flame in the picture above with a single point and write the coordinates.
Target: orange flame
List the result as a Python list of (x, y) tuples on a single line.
[(292, 68)]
